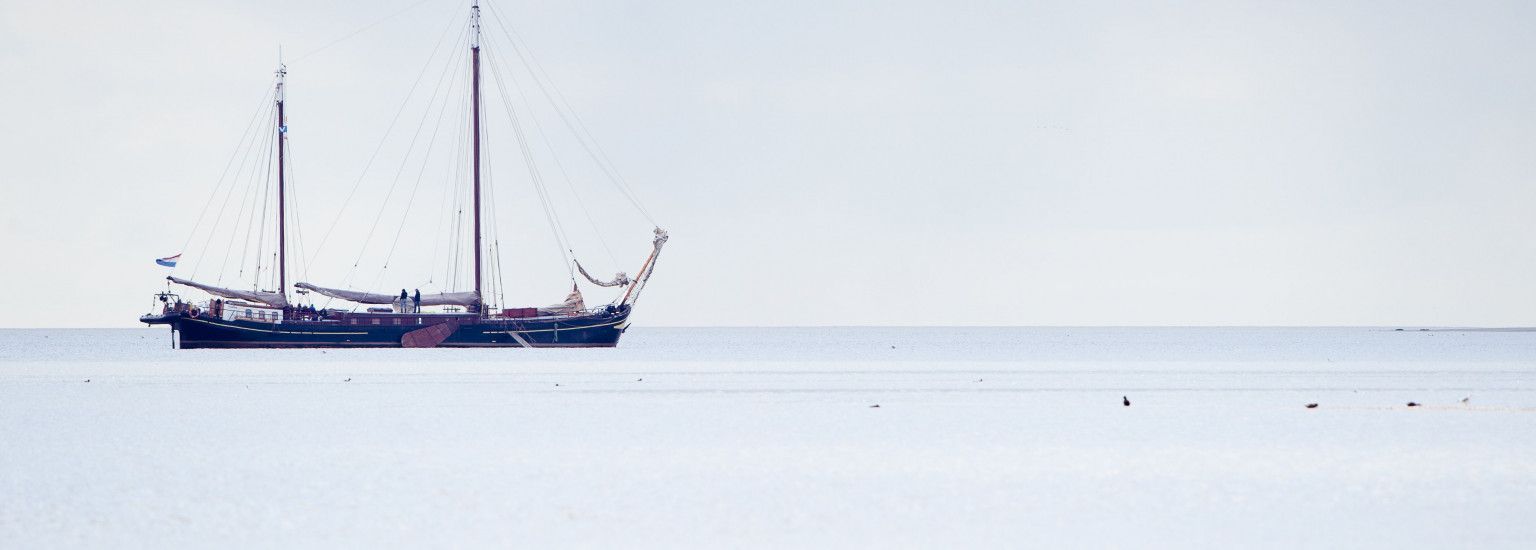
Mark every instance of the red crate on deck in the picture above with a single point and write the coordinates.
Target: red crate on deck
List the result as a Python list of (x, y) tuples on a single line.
[(518, 312)]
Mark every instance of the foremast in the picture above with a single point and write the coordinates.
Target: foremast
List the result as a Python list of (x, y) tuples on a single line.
[(278, 298), (282, 203)]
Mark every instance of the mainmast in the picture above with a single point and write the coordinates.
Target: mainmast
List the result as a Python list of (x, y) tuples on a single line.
[(282, 218), (475, 101)]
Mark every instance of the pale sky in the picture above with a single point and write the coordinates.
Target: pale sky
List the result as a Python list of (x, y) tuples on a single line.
[(827, 162)]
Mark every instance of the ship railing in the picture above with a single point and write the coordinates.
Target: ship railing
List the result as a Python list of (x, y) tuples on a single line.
[(595, 310)]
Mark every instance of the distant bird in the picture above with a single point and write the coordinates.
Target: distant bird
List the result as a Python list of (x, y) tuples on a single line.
[(875, 406), (1412, 404), (347, 380), (639, 379), (557, 385), (893, 347), (1311, 405), (1125, 400), (1466, 399), (87, 379), (980, 379)]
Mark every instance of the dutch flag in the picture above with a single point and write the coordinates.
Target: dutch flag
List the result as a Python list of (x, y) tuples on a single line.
[(168, 262)]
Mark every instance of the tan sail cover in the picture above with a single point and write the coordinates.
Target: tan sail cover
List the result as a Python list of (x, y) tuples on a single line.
[(274, 299), (440, 299), (573, 304)]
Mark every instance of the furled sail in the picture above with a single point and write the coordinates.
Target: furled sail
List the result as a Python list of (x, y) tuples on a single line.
[(645, 270), (573, 304), (439, 299), (619, 279), (275, 299)]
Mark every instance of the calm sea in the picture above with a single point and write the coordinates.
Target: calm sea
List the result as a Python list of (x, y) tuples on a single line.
[(779, 437), (1021, 345)]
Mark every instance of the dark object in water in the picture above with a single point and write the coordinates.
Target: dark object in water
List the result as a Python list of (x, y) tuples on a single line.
[(875, 406), (1412, 404), (1398, 329), (1311, 405), (87, 379), (347, 380), (1125, 400), (1466, 399)]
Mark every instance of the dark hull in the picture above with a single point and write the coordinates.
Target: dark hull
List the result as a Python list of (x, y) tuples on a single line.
[(359, 331)]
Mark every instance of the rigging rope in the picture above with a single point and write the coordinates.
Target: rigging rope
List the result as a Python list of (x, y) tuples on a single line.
[(495, 228), (249, 200), (449, 200), (600, 157), (384, 139), (454, 270), (266, 199), (565, 175), (239, 146), (533, 172), (298, 228), (563, 109), (458, 196), (410, 200), (358, 31), (244, 151), (372, 230)]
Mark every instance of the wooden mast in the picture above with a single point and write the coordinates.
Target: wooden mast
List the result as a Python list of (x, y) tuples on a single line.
[(282, 218), (475, 101)]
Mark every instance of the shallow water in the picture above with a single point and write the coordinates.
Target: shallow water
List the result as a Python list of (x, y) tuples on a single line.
[(769, 437)]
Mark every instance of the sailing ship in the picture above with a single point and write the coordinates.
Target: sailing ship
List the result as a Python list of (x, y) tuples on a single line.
[(257, 318)]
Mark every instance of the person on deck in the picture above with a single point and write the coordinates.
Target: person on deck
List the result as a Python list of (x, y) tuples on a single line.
[(416, 301)]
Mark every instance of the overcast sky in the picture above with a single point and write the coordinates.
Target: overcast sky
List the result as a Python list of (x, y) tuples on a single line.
[(822, 163)]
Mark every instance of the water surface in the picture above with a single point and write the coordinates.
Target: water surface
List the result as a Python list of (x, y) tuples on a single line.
[(771, 437)]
